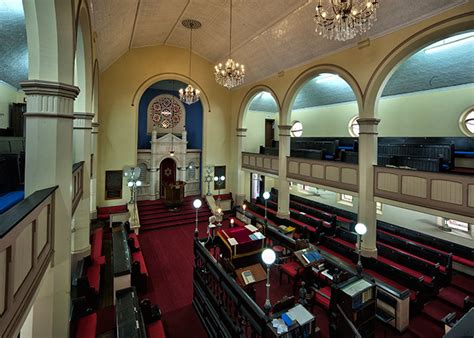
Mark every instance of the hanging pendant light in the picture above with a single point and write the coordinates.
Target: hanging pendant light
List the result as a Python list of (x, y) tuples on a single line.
[(190, 95), (231, 74)]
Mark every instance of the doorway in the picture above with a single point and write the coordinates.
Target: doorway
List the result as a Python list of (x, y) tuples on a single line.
[(269, 132), (167, 174), (257, 185)]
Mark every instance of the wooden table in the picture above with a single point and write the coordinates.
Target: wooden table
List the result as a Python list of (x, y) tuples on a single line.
[(258, 273)]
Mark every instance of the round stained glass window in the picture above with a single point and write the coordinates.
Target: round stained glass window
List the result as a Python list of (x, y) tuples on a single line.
[(166, 111)]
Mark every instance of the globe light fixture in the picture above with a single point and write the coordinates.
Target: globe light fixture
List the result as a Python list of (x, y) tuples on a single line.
[(266, 196), (132, 175), (197, 203), (361, 229), (268, 257), (231, 222)]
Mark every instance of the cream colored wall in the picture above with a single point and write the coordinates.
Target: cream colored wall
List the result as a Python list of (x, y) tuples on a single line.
[(326, 121), (427, 113), (8, 94), (118, 118), (255, 136)]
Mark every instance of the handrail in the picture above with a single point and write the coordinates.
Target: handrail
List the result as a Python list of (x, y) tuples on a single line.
[(77, 184), (351, 325), (26, 249), (20, 211)]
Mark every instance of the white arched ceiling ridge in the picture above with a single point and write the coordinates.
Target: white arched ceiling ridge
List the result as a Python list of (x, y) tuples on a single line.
[(311, 73), (95, 90), (50, 38), (247, 101), (84, 58), (407, 48)]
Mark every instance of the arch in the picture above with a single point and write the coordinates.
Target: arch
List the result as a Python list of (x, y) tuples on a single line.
[(404, 50), (50, 38), (247, 100), (84, 62), (168, 76), (309, 74), (95, 90)]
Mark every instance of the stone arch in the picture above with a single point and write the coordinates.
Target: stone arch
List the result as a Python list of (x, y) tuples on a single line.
[(305, 76), (249, 96), (84, 62), (95, 90), (406, 49), (50, 38)]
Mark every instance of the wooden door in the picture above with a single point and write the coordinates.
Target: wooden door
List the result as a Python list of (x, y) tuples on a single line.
[(167, 174), (269, 132)]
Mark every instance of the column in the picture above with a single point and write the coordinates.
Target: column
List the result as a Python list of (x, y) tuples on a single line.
[(93, 185), (367, 159), (241, 133), (284, 186), (82, 135), (49, 121), (153, 163)]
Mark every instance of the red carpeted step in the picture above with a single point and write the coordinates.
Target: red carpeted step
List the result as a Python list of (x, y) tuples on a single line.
[(438, 309), (463, 282), (425, 328), (453, 296)]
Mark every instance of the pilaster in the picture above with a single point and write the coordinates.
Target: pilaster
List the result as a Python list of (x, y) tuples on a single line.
[(94, 167), (82, 150), (284, 187), (49, 120), (367, 159), (241, 133)]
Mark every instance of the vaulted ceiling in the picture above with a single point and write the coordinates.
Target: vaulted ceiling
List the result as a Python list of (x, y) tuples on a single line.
[(268, 35)]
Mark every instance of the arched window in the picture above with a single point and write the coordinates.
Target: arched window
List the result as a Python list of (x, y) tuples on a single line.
[(466, 122), (354, 126), (296, 129)]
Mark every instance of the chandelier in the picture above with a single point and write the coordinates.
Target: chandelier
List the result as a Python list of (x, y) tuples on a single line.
[(230, 74), (190, 95), (343, 19)]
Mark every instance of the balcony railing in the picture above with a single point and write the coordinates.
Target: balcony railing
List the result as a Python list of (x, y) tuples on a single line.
[(333, 174), (77, 184), (262, 163), (445, 192), (26, 248)]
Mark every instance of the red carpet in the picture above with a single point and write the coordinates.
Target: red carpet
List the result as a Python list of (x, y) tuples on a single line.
[(156, 215)]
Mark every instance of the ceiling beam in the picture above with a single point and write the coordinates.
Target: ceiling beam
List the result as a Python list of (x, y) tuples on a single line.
[(134, 24), (177, 22)]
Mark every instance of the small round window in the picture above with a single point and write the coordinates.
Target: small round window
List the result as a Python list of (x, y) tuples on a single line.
[(466, 122), (296, 129), (354, 126)]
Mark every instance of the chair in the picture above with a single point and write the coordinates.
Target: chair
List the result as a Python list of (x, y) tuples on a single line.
[(293, 270)]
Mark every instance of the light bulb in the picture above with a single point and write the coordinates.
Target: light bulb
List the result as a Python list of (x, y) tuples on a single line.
[(268, 256), (139, 183), (130, 184), (360, 228), (222, 178), (266, 195), (216, 178), (197, 203)]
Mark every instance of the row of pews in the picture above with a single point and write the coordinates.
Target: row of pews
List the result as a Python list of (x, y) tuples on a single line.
[(425, 154), (134, 317), (86, 288), (408, 273)]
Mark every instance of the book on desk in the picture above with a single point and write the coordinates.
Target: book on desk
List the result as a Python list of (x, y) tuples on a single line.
[(248, 277), (297, 322), (311, 256)]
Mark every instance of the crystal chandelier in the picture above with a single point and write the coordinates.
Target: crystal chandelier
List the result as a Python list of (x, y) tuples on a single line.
[(343, 19), (230, 74), (190, 95)]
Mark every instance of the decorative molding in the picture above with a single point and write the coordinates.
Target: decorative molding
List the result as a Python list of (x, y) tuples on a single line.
[(368, 125), (49, 115), (49, 88), (84, 116)]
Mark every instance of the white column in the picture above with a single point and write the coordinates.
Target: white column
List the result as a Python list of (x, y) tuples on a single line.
[(82, 130), (49, 163), (284, 186), (153, 164), (241, 133), (93, 185), (367, 159)]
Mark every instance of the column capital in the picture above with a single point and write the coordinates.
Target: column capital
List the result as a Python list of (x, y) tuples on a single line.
[(368, 125), (241, 132), (284, 130), (95, 127), (83, 116), (49, 88)]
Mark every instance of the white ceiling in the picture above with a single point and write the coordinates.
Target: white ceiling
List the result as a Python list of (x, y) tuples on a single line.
[(268, 35)]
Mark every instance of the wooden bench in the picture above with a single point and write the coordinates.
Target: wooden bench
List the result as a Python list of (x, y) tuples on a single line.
[(83, 321), (139, 271), (96, 247), (86, 280)]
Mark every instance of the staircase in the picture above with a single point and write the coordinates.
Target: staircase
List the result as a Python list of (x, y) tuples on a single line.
[(156, 215)]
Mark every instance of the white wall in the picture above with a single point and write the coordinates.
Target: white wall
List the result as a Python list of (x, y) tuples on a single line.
[(255, 124)]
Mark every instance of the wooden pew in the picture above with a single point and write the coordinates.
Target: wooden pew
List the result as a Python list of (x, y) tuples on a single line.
[(83, 320)]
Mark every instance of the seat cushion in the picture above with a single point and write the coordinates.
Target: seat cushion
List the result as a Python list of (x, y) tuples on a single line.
[(96, 243), (323, 297), (155, 330), (291, 268), (464, 261), (138, 257), (134, 236), (278, 248), (86, 326)]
